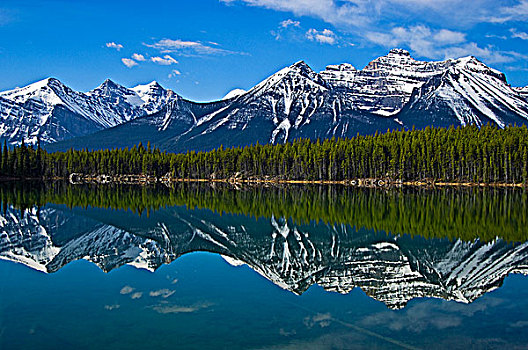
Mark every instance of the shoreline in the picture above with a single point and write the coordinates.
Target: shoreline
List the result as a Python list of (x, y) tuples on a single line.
[(79, 179), (362, 182)]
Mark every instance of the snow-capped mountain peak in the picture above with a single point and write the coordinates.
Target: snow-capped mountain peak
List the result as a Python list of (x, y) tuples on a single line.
[(234, 93), (154, 96), (116, 93), (146, 90), (343, 67), (51, 111), (399, 52), (295, 76), (472, 64), (42, 91)]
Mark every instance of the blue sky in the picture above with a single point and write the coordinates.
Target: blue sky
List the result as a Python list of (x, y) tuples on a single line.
[(204, 48)]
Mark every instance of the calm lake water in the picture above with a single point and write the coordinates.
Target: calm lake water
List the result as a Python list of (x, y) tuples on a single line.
[(295, 267)]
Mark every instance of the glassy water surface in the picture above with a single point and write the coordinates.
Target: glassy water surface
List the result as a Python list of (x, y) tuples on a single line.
[(200, 266)]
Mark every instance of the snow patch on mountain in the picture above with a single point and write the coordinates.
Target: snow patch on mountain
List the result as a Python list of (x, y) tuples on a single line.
[(234, 93)]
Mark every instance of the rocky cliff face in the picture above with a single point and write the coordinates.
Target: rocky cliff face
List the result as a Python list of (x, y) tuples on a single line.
[(393, 270), (523, 91), (385, 85)]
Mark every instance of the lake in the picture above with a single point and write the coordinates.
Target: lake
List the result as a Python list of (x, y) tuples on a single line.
[(201, 266)]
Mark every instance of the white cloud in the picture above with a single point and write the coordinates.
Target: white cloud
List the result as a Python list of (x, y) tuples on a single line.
[(517, 12), (166, 60), (519, 35), (183, 47), (290, 23), (322, 320), (174, 73), (419, 38), (325, 36), (440, 44), (361, 13), (439, 23), (445, 36), (113, 45), (327, 10), (289, 28), (502, 37), (139, 57), (489, 53), (129, 62)]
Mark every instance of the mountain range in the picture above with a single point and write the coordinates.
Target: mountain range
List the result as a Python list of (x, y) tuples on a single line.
[(391, 269), (392, 91)]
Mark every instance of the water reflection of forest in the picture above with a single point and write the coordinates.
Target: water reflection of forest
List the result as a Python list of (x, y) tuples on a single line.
[(468, 213)]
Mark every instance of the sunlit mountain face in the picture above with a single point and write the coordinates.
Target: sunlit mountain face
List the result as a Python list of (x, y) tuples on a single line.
[(395, 246)]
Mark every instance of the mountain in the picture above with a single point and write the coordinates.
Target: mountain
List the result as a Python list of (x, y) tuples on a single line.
[(50, 111), (523, 91), (468, 92), (391, 269), (392, 91), (234, 93)]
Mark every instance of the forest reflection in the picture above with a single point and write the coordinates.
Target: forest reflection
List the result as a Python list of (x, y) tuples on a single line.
[(464, 213)]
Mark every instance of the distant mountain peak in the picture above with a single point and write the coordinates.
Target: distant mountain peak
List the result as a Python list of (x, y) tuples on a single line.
[(42, 90), (303, 68), (341, 67), (473, 64), (300, 64), (109, 84), (152, 85), (400, 52), (234, 93), (147, 89)]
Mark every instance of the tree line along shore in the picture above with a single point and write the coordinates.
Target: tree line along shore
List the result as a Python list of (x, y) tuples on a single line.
[(443, 156)]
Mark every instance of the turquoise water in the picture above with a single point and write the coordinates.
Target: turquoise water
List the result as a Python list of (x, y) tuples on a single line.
[(215, 305), (197, 279)]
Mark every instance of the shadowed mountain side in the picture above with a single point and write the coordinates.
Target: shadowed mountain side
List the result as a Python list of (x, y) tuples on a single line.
[(158, 128)]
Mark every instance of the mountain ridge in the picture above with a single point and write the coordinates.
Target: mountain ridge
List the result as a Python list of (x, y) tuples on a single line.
[(32, 112), (391, 91)]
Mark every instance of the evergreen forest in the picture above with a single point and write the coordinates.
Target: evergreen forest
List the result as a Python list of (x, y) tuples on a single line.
[(464, 154)]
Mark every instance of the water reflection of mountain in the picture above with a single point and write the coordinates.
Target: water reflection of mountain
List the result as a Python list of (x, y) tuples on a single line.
[(392, 269)]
